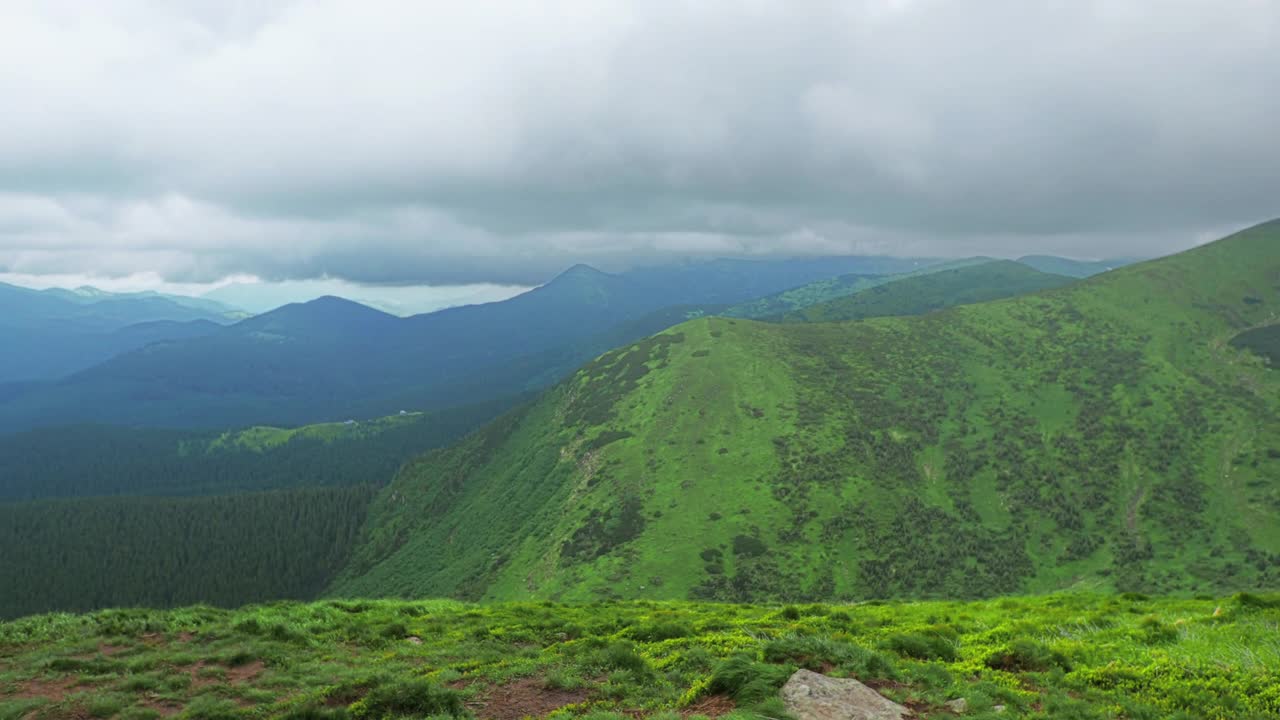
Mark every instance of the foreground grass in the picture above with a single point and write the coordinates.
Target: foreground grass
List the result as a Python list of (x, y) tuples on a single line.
[(1060, 656)]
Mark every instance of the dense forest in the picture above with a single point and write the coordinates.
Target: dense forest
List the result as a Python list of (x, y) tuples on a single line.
[(98, 460), (82, 554)]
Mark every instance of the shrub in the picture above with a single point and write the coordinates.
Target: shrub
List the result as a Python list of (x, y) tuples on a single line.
[(1027, 656), (921, 646), (106, 706), (746, 546), (747, 681), (416, 698), (657, 632), (207, 707), (561, 680), (1153, 632), (623, 656), (1257, 602), (814, 653)]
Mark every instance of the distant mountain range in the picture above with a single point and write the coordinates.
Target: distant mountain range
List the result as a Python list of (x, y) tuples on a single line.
[(330, 358), (51, 333)]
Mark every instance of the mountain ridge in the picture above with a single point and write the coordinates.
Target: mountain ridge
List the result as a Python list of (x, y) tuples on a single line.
[(1075, 435)]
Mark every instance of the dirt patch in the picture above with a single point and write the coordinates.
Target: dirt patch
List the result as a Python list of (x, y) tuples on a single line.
[(244, 673), (55, 690), (712, 707), (198, 681), (526, 697), (109, 650), (166, 708), (186, 637), (74, 712)]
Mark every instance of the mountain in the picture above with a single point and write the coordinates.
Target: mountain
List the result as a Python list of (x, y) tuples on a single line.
[(1074, 268), (927, 292), (827, 289), (1105, 434), (330, 359)]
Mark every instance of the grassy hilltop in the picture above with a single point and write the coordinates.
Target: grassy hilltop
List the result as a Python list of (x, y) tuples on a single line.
[(1104, 435), (1062, 657)]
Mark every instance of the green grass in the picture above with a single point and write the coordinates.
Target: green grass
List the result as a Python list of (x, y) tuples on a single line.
[(263, 438), (1104, 435), (1063, 656)]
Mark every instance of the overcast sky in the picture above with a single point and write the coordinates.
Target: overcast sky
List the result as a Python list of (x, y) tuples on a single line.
[(419, 142)]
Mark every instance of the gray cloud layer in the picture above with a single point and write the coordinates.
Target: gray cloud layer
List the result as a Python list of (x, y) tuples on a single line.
[(386, 141)]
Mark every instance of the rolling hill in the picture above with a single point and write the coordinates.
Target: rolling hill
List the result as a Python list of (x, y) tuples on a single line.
[(330, 359), (921, 293), (1104, 434)]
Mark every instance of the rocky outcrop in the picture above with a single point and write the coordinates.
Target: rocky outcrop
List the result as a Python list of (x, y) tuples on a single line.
[(810, 696)]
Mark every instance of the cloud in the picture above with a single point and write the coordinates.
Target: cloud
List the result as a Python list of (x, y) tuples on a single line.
[(404, 142)]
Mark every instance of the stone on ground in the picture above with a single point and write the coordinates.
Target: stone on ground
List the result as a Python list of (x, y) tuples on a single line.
[(810, 696)]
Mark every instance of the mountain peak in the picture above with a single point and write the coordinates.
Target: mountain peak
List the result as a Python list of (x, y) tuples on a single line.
[(581, 270)]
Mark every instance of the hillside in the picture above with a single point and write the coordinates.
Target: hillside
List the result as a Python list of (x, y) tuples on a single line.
[(1075, 657), (1104, 434), (332, 359), (922, 293), (828, 289)]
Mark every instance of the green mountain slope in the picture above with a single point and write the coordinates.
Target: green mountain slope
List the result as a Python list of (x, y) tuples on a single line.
[(916, 295), (1104, 433)]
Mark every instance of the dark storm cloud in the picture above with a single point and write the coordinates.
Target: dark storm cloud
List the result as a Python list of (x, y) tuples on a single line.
[(444, 142)]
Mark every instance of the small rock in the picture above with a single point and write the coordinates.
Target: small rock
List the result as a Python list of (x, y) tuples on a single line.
[(810, 696), (414, 640), (998, 708), (958, 706)]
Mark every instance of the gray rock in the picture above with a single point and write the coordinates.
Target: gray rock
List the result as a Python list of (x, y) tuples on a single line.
[(958, 706), (810, 696), (998, 708)]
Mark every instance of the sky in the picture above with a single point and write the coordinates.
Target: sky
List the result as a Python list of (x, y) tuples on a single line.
[(472, 148)]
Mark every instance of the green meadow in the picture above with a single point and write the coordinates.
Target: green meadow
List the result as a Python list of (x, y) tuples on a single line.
[(1059, 656)]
